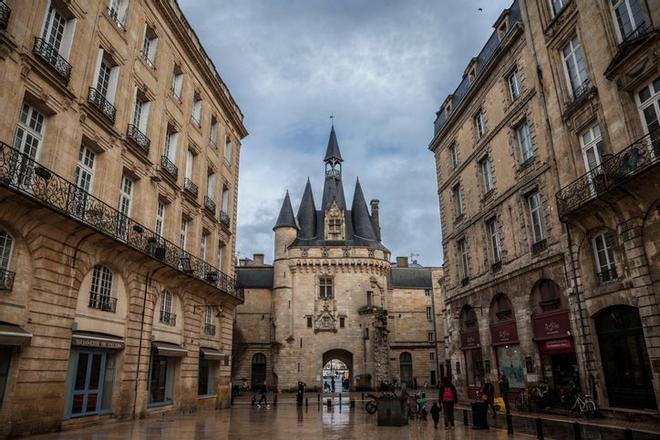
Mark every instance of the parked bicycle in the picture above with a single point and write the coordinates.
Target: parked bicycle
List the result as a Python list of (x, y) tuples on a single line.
[(583, 406), (523, 402)]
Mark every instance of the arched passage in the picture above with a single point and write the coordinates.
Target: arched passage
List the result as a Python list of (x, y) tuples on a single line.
[(258, 370), (405, 368), (343, 377), (624, 357)]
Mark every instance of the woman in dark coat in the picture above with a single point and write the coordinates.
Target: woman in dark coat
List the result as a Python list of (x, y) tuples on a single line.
[(488, 395)]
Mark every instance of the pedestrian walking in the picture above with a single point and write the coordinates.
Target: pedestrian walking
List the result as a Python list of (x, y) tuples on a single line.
[(488, 395), (415, 383), (448, 397), (435, 414), (332, 384), (264, 394), (504, 390), (300, 393)]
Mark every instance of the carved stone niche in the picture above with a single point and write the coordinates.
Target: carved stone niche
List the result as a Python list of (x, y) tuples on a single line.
[(325, 316)]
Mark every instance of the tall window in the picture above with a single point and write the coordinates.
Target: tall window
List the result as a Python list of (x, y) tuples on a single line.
[(225, 199), (628, 17), (205, 377), (6, 246), (325, 287), (171, 138), (604, 257), (5, 361), (453, 155), (183, 233), (208, 316), (575, 67), (514, 85), (177, 82), (84, 178), (648, 102), (458, 201), (524, 142), (100, 292), (536, 216), (197, 109), (430, 337), (210, 185), (160, 218), (221, 255), (202, 246), (370, 295), (334, 225), (480, 124), (463, 255), (228, 149), (58, 32), (190, 162), (117, 11), (125, 195), (105, 82), (429, 314), (166, 315), (592, 147), (149, 45), (141, 111), (213, 135), (29, 131), (556, 6), (494, 238), (486, 175)]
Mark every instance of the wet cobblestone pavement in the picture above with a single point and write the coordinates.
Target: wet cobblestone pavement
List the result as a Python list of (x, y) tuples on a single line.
[(284, 422)]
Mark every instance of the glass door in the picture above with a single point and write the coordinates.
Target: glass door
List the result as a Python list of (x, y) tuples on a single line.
[(87, 387), (648, 101)]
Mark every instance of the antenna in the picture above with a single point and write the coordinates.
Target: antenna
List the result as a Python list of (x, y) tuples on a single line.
[(412, 257)]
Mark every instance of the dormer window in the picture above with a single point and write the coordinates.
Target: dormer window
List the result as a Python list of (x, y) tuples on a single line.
[(334, 224), (503, 27)]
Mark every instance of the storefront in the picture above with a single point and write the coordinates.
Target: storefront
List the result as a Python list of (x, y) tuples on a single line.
[(11, 338), (209, 361), (552, 332), (506, 346), (90, 380), (472, 356), (164, 358)]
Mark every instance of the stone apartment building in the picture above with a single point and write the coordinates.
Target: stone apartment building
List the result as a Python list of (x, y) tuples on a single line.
[(332, 294), (119, 163), (552, 273)]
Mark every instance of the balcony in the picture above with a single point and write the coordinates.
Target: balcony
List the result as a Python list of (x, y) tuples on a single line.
[(51, 56), (224, 219), (23, 175), (169, 167), (209, 329), (140, 139), (465, 281), (147, 60), (581, 90), (114, 15), (539, 246), (5, 12), (638, 32), (613, 171), (497, 266), (607, 275), (6, 280), (97, 99), (190, 187), (209, 204), (103, 303), (168, 318)]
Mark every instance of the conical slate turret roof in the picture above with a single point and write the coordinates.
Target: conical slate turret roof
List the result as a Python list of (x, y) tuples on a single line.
[(286, 218), (307, 213), (362, 226), (332, 152)]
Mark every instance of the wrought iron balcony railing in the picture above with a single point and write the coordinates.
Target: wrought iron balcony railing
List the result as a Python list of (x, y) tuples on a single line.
[(168, 318), (5, 12), (581, 89), (635, 34), (6, 279), (169, 166), (104, 303), (148, 60), (97, 99), (140, 139), (607, 275), (539, 246), (224, 219), (465, 281), (51, 56), (25, 176), (209, 204), (613, 170), (114, 15), (190, 187), (209, 329)]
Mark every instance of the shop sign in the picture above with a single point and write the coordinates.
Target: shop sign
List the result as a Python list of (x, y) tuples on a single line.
[(557, 345), (552, 325), (504, 333), (106, 344), (470, 340)]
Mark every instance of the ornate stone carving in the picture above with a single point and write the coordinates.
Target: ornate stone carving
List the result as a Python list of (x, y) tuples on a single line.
[(326, 320)]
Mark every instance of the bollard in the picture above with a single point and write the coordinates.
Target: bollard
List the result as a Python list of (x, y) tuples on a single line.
[(509, 423), (628, 434), (275, 400), (339, 399), (465, 417), (539, 429), (306, 401), (577, 432), (329, 403)]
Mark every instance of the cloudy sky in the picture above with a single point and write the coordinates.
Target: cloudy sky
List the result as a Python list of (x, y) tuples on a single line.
[(382, 67)]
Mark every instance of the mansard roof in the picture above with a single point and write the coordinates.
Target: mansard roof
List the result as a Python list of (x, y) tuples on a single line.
[(255, 277), (410, 278)]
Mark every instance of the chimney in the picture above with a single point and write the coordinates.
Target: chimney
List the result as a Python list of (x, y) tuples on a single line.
[(243, 262), (401, 261), (375, 220), (258, 259)]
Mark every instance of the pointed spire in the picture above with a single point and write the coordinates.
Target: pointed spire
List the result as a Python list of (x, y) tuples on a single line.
[(286, 218), (332, 153), (361, 221), (307, 213)]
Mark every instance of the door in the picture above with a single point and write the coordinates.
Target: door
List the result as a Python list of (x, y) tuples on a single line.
[(29, 134), (258, 370), (648, 101), (592, 150), (405, 364), (87, 383), (624, 358)]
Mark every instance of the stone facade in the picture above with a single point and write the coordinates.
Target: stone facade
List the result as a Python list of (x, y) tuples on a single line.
[(116, 294), (332, 293), (530, 276)]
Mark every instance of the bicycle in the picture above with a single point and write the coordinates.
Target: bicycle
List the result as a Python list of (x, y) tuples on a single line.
[(584, 407), (523, 402)]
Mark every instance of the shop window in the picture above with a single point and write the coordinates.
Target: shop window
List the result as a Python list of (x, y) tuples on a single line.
[(92, 378), (161, 380), (474, 365), (205, 377)]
